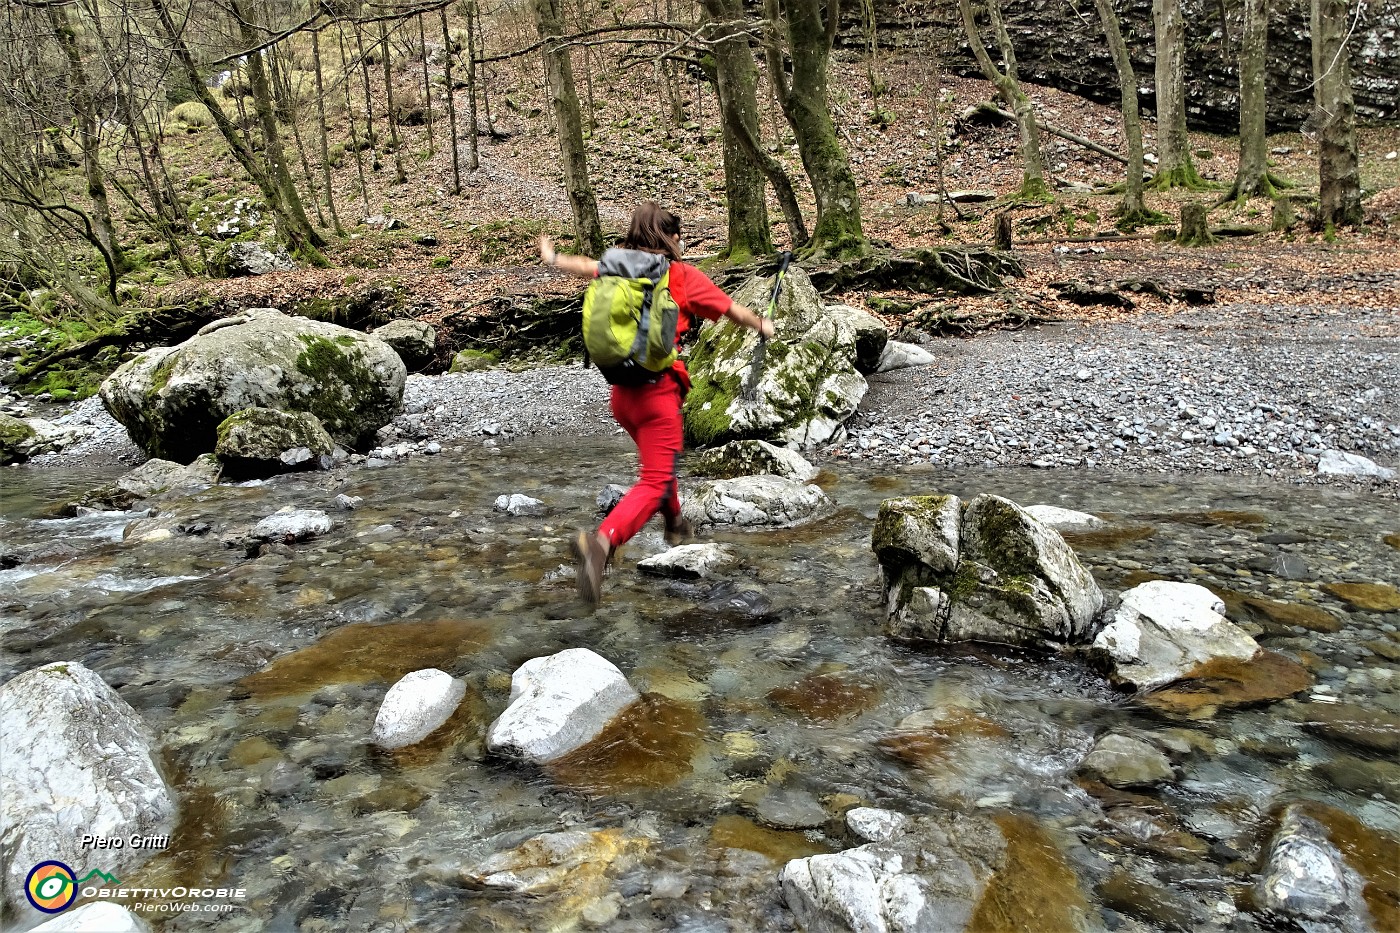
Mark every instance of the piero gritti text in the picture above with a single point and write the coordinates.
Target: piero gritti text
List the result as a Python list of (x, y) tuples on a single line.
[(134, 841)]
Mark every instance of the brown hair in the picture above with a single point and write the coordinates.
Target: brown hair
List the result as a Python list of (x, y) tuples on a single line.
[(652, 229)]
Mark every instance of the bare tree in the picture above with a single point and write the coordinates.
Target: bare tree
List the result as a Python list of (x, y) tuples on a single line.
[(1339, 179), (1133, 211), (807, 29), (1175, 169), (563, 97), (1253, 177), (1033, 183)]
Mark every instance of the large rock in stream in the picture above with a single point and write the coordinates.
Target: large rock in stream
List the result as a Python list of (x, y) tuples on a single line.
[(945, 872), (171, 400), (810, 381), (1172, 642), (984, 570), (75, 760), (559, 703)]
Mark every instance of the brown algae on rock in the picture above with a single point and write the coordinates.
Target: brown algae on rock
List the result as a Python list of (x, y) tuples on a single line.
[(825, 697), (361, 652), (1368, 597), (652, 743), (1230, 682), (1036, 890), (732, 831)]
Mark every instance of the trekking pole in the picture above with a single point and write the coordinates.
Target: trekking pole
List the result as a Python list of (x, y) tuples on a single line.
[(750, 393)]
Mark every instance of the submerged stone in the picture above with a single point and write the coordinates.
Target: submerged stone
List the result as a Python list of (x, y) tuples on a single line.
[(651, 743), (1123, 761), (1369, 597), (1307, 879), (363, 653), (732, 831), (1304, 615), (753, 501), (578, 859), (1368, 727), (825, 697), (1231, 682)]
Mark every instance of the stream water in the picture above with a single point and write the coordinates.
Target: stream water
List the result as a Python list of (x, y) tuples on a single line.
[(764, 692)]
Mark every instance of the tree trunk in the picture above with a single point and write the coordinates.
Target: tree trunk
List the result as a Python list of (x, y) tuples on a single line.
[(85, 112), (1195, 230), (350, 117), (839, 232), (288, 213), (1033, 183), (394, 147), (1133, 211), (736, 82), (1174, 166), (1253, 177), (569, 126), (302, 239), (1339, 195), (427, 84), (321, 127), (473, 157), (370, 136), (452, 104)]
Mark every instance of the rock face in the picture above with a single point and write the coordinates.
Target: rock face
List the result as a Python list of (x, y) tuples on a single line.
[(250, 258), (1056, 48), (754, 501), (416, 706), (979, 571), (748, 458), (75, 759), (252, 442), (867, 334), (172, 399), (559, 703), (414, 341), (809, 383), (687, 561), (1307, 879), (1162, 630), (943, 872)]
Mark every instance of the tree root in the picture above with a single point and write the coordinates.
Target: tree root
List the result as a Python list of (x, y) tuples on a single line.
[(942, 321), (962, 271)]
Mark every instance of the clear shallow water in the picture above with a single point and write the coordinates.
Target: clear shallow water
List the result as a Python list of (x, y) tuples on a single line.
[(261, 679)]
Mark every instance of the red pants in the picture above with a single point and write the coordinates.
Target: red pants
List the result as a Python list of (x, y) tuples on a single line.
[(652, 415)]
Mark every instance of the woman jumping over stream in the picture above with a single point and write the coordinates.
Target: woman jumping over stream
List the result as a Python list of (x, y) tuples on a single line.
[(646, 403)]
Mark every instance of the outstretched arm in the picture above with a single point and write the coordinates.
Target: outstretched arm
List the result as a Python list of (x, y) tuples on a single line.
[(581, 266), (745, 318)]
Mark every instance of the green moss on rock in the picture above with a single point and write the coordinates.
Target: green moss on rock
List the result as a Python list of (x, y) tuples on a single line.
[(14, 434), (331, 362), (707, 425)]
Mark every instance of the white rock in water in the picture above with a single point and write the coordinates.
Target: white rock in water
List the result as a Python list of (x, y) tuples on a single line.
[(519, 505), (1162, 630), (899, 355), (1338, 463), (687, 561), (289, 524), (874, 825), (559, 703), (75, 759), (755, 500), (95, 917), (858, 889), (1308, 880), (1064, 519), (416, 706)]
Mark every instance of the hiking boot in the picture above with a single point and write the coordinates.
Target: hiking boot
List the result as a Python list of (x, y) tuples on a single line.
[(678, 531), (592, 557)]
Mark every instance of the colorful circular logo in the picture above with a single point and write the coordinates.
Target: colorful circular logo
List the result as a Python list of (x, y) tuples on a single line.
[(51, 887)]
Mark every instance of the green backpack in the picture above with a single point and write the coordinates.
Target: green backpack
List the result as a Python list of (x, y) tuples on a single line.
[(630, 318)]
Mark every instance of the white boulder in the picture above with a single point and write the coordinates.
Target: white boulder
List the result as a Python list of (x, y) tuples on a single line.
[(288, 524), (559, 703), (755, 500), (899, 355), (416, 706), (1162, 630), (749, 458), (1064, 519), (519, 505), (1339, 463), (687, 561), (75, 760)]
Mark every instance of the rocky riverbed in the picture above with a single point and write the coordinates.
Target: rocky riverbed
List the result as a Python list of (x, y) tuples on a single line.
[(1252, 389)]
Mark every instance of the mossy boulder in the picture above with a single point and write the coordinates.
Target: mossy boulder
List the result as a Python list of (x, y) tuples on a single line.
[(263, 441), (867, 335), (750, 458), (15, 438), (808, 385), (983, 570), (470, 361), (151, 478), (173, 399), (414, 341)]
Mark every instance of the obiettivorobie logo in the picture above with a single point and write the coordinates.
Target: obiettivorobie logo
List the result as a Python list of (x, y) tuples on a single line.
[(52, 886)]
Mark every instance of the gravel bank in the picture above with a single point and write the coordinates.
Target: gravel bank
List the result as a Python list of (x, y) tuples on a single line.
[(1245, 388)]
